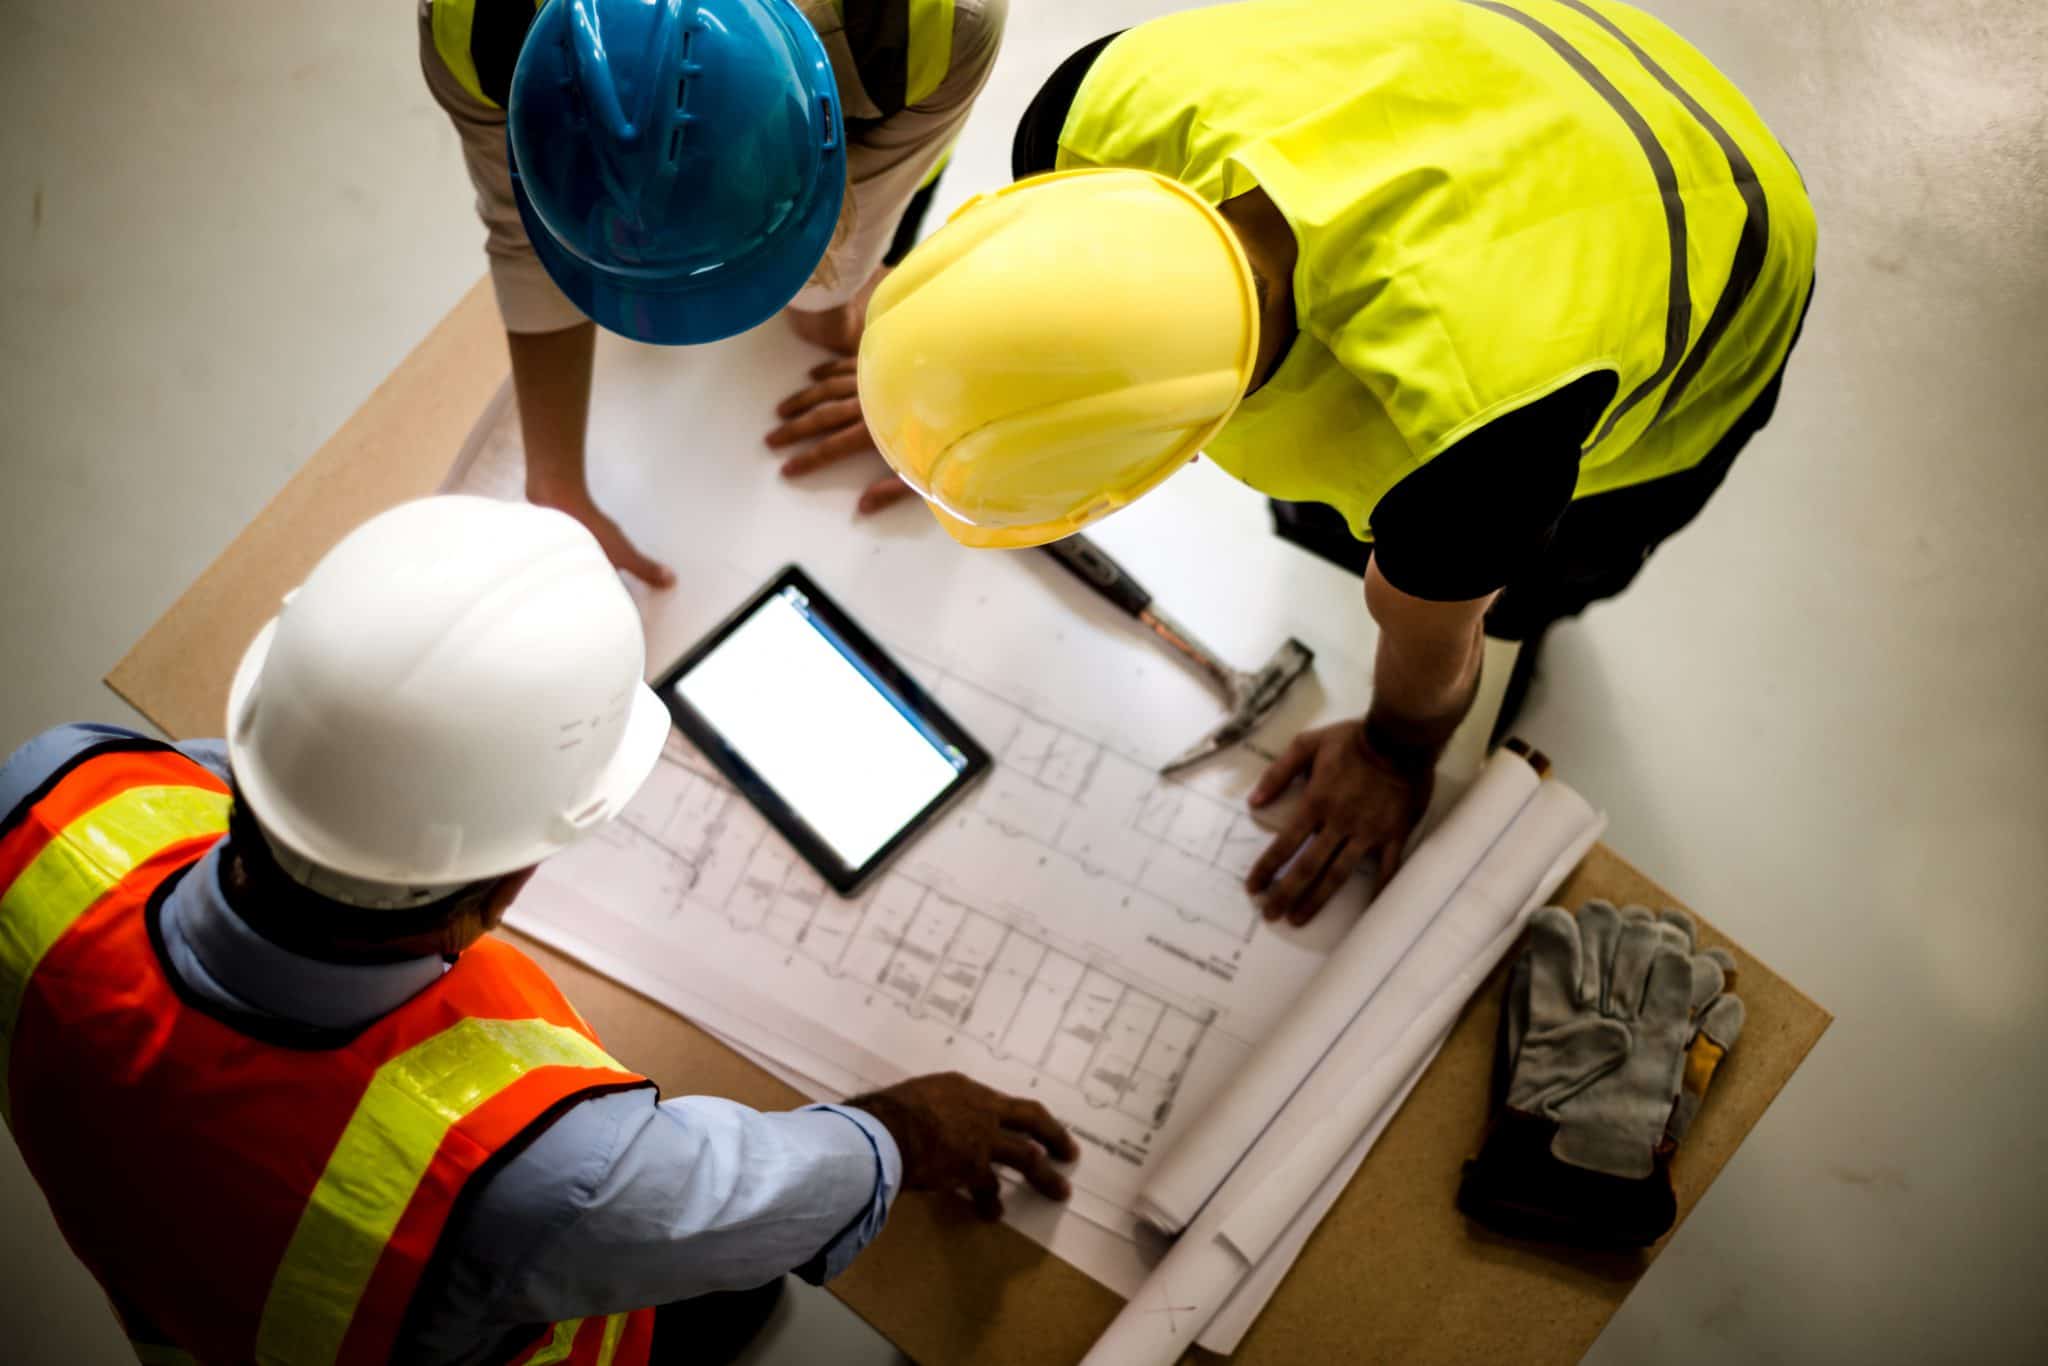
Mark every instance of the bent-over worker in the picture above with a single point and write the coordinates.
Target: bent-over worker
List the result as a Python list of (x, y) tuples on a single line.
[(679, 172), (291, 1102), (1487, 295)]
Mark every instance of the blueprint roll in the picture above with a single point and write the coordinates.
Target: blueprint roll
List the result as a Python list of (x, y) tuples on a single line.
[(1192, 1170), (1371, 1066)]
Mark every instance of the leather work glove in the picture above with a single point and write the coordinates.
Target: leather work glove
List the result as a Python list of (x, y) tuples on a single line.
[(1597, 1031), (1717, 1018)]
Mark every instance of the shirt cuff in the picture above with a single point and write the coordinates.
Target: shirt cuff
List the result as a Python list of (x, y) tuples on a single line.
[(865, 1226)]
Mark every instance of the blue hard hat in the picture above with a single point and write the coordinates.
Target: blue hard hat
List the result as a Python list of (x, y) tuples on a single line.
[(679, 164)]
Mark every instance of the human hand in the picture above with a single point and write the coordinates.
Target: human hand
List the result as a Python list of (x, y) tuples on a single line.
[(835, 329), (827, 415), (618, 547), (1360, 803), (838, 328), (953, 1132)]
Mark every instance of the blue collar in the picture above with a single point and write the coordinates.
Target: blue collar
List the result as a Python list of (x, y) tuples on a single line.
[(215, 953)]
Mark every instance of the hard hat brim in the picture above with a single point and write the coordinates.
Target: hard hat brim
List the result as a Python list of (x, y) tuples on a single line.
[(707, 306), (647, 728), (1001, 537)]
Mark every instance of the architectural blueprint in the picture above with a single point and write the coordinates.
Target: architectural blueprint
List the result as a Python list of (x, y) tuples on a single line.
[(1075, 928)]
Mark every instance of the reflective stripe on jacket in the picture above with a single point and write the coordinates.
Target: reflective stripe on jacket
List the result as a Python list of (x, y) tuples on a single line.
[(900, 49), (249, 1198), (1491, 199)]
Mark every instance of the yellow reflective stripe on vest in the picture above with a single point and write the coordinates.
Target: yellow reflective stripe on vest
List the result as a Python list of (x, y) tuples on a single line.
[(614, 1329), (411, 1104), (931, 48), (84, 862), (559, 1346), (452, 21), (563, 1342)]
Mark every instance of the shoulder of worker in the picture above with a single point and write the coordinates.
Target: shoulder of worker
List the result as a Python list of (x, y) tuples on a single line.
[(977, 37), (31, 768), (872, 44), (978, 31), (976, 26)]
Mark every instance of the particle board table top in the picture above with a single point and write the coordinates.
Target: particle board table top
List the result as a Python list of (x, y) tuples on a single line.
[(1393, 1274)]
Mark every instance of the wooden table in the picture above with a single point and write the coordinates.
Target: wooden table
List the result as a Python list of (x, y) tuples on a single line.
[(1393, 1274)]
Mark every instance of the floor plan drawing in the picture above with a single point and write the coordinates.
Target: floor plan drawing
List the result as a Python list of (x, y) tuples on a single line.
[(1075, 928), (1011, 986), (1168, 844)]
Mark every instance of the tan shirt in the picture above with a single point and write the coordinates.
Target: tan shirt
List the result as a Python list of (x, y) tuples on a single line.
[(885, 164)]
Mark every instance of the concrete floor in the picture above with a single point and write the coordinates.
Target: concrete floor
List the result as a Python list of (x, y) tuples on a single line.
[(1820, 716)]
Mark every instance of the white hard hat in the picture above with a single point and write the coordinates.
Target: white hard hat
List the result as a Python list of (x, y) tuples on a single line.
[(454, 693)]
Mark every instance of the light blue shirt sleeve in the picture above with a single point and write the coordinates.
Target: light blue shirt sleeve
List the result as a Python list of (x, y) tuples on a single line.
[(30, 766), (624, 1203), (211, 755)]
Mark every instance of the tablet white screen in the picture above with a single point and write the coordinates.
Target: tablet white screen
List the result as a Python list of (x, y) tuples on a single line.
[(832, 739)]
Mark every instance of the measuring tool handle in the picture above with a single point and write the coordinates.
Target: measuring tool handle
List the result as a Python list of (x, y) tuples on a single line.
[(1092, 565)]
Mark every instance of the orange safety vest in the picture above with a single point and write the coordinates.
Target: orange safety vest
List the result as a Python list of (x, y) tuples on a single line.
[(248, 1199)]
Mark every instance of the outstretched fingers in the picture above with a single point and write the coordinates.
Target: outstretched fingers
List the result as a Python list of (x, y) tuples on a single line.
[(1030, 1161), (1033, 1119), (884, 492)]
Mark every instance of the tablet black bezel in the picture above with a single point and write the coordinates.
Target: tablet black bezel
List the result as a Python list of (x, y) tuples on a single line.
[(843, 879)]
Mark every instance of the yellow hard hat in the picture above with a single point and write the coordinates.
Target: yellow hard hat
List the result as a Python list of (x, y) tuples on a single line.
[(1056, 350)]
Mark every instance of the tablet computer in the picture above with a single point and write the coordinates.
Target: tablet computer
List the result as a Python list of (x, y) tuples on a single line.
[(825, 734)]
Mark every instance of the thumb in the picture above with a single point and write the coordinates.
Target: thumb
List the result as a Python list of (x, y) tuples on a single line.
[(1723, 1021)]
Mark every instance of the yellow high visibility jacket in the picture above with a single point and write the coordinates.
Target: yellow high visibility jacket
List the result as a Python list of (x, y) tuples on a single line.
[(1492, 198), (900, 50)]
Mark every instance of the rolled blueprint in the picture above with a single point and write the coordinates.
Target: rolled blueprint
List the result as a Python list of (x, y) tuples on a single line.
[(1352, 1092), (1228, 1328), (1248, 1300), (1192, 1170)]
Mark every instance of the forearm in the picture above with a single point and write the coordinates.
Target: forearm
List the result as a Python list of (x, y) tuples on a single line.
[(646, 1203), (1425, 673), (551, 380), (1420, 693)]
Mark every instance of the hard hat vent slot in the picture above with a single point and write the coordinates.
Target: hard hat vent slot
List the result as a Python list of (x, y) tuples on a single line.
[(825, 117), (587, 815), (675, 143)]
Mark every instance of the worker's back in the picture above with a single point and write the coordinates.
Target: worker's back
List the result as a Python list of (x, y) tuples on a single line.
[(244, 1187), (1490, 200)]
